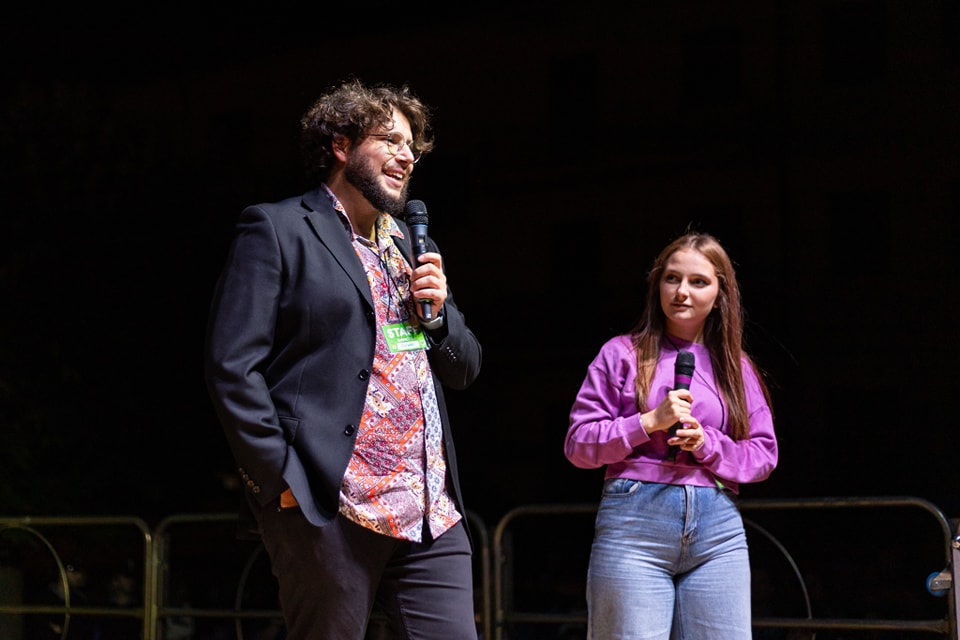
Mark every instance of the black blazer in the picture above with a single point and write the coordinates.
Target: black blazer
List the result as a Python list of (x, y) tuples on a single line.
[(290, 347)]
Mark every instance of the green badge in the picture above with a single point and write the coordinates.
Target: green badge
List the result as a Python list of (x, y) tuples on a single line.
[(403, 337)]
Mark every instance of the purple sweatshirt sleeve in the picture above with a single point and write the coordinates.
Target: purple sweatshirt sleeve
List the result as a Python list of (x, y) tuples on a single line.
[(605, 429), (604, 420), (749, 460)]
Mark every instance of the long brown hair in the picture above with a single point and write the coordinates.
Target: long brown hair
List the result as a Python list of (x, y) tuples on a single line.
[(722, 331)]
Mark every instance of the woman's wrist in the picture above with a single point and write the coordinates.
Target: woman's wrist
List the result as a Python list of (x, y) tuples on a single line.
[(645, 423)]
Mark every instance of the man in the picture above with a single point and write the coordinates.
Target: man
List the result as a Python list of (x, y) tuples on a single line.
[(329, 383)]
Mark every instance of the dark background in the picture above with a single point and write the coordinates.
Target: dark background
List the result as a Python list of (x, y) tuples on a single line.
[(818, 140)]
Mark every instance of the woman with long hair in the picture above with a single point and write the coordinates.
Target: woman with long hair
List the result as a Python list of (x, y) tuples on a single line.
[(680, 416)]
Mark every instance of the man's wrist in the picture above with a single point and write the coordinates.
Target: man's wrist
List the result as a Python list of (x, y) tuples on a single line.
[(431, 325)]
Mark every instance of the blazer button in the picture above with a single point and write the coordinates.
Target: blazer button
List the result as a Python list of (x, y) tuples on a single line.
[(364, 374), (349, 429)]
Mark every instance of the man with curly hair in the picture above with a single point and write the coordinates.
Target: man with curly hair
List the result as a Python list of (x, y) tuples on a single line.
[(327, 376)]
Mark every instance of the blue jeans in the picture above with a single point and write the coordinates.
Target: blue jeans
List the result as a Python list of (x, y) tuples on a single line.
[(668, 562)]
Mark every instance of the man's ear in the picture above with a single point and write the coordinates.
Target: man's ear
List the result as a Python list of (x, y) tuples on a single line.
[(340, 146)]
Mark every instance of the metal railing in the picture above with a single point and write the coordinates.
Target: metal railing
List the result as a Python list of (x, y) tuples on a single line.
[(191, 571), (41, 570), (36, 543), (506, 616), (248, 563)]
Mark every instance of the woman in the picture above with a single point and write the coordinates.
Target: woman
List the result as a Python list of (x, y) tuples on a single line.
[(669, 558)]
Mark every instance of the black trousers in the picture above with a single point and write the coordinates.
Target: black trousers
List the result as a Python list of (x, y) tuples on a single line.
[(330, 578)]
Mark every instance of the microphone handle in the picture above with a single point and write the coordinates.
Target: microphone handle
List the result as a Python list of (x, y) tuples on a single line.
[(672, 431), (419, 232), (426, 309)]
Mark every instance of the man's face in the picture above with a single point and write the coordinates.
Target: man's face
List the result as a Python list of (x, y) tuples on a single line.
[(382, 176)]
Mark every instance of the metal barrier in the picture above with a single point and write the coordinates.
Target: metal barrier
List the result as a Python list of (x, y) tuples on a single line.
[(203, 550), (205, 577), (192, 574), (505, 544), (44, 567)]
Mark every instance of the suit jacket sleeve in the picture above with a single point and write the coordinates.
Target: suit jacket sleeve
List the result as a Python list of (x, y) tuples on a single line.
[(455, 354), (240, 343)]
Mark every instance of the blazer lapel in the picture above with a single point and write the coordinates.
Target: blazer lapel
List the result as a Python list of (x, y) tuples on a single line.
[(327, 225)]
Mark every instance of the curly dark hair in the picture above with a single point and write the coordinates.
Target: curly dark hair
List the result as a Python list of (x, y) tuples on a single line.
[(353, 109)]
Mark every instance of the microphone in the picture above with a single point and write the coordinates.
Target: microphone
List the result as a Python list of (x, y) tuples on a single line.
[(682, 375), (416, 215)]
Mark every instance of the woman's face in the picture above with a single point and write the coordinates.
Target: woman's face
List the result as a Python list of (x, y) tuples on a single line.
[(689, 287)]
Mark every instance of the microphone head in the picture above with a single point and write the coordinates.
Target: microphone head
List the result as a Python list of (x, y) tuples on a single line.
[(685, 363), (415, 212)]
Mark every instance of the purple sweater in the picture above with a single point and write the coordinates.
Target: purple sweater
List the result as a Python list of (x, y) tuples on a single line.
[(605, 423)]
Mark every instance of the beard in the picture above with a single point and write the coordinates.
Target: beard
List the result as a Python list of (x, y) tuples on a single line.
[(361, 175)]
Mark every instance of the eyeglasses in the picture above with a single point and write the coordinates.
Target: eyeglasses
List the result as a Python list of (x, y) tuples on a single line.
[(395, 143)]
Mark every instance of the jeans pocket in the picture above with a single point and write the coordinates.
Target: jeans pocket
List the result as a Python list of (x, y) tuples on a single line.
[(620, 487)]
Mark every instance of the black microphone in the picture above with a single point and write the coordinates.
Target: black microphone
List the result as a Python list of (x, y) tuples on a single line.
[(682, 375), (416, 215)]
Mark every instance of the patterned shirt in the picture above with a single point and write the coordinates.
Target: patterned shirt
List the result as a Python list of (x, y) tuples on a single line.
[(396, 478)]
